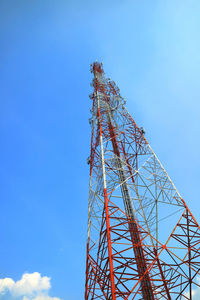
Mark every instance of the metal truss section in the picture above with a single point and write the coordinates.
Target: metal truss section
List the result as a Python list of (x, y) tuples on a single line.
[(143, 241)]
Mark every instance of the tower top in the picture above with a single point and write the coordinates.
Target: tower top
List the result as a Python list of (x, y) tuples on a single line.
[(96, 67)]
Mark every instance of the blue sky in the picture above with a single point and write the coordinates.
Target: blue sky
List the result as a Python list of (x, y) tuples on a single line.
[(151, 49)]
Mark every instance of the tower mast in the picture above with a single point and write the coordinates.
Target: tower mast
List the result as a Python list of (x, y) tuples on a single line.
[(105, 101), (129, 191)]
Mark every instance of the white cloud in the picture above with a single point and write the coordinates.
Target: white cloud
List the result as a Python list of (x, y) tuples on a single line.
[(42, 297), (32, 286), (6, 284), (31, 283)]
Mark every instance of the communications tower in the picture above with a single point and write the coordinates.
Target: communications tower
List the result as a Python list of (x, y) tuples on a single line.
[(143, 241)]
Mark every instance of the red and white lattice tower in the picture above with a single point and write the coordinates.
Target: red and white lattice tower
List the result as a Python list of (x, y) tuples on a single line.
[(143, 241)]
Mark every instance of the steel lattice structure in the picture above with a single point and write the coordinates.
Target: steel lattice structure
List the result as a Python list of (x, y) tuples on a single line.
[(143, 241)]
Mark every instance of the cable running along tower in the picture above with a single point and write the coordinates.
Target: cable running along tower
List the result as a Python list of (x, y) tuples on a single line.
[(143, 241)]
